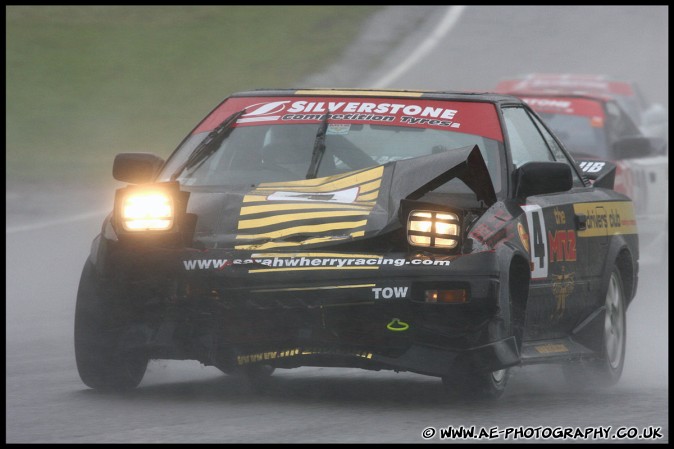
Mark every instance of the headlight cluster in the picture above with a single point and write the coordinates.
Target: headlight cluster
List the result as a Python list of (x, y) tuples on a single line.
[(433, 229), (147, 211), (150, 209)]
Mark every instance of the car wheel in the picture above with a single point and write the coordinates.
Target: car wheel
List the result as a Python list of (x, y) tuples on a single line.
[(99, 363), (255, 377), (469, 384), (606, 370)]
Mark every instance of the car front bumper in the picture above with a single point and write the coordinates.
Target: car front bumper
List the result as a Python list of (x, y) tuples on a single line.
[(309, 309)]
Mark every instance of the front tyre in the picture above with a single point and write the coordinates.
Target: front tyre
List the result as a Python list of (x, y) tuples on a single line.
[(469, 384), (100, 363)]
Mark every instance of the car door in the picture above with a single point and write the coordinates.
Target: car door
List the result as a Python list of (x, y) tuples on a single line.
[(561, 266)]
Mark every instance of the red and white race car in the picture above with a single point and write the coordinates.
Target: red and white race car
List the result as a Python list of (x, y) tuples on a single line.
[(651, 118), (594, 127)]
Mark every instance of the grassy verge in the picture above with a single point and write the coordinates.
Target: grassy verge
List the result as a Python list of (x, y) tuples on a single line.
[(86, 82)]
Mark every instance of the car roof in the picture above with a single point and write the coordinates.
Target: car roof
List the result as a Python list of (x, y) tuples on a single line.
[(567, 82), (489, 97), (564, 94)]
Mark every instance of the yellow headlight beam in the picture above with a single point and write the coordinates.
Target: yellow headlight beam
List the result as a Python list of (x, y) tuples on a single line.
[(147, 211), (433, 229)]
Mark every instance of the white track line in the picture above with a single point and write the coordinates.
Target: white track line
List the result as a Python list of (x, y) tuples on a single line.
[(448, 21)]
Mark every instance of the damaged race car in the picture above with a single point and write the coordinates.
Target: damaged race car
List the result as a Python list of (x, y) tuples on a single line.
[(441, 233)]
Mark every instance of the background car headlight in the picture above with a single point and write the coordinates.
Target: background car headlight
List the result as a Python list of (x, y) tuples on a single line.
[(147, 211), (433, 229)]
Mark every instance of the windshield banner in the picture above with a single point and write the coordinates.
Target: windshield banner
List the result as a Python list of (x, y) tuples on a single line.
[(566, 105), (466, 117)]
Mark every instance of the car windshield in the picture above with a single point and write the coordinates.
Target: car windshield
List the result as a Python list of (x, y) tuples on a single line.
[(256, 152), (580, 123), (580, 135)]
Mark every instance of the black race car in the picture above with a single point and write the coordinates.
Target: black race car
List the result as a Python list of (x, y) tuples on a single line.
[(447, 234)]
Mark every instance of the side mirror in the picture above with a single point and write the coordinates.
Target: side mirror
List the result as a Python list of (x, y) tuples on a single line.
[(539, 178), (136, 168), (634, 147)]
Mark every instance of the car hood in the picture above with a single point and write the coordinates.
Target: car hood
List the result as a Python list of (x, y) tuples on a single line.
[(330, 210)]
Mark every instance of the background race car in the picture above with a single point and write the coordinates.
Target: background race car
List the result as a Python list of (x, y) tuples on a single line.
[(650, 117), (595, 126)]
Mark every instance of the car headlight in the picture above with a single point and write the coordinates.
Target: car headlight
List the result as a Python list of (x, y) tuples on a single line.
[(150, 209), (433, 229), (147, 211)]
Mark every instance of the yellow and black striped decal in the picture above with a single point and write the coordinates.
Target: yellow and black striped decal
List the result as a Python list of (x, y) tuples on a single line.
[(324, 209)]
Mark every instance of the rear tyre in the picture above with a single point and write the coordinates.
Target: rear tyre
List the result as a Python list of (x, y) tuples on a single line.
[(608, 368), (100, 363)]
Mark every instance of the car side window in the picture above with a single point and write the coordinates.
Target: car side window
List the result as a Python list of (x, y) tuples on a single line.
[(557, 151), (526, 142), (619, 124)]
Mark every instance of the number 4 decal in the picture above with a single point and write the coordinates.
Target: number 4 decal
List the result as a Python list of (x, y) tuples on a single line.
[(538, 241)]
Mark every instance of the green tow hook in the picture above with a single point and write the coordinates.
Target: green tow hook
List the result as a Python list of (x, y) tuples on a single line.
[(397, 326)]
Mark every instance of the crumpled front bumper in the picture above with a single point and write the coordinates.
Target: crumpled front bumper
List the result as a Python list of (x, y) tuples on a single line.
[(312, 309)]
